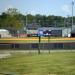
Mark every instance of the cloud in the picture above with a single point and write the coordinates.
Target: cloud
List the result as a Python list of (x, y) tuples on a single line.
[(33, 12), (9, 6), (66, 8)]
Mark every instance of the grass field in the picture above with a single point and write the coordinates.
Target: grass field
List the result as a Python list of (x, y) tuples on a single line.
[(58, 63)]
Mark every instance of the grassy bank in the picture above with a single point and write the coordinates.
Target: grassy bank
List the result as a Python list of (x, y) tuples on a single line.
[(58, 63)]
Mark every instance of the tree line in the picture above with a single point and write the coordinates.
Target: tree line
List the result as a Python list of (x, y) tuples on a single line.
[(13, 20)]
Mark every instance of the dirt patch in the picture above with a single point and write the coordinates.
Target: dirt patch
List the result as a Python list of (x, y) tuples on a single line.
[(4, 55)]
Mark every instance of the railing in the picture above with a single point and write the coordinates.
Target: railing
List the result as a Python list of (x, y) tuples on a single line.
[(33, 43)]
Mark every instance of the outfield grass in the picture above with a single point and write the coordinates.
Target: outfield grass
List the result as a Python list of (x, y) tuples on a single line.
[(44, 64)]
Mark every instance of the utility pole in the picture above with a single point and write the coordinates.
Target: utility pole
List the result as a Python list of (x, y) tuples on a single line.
[(72, 14), (64, 22), (26, 18), (39, 44), (26, 23)]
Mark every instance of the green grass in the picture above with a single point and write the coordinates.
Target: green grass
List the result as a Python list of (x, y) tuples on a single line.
[(44, 64)]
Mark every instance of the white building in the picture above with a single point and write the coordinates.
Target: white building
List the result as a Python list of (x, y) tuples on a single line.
[(4, 33)]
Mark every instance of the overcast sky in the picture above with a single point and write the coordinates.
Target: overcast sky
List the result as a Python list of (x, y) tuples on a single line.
[(44, 7)]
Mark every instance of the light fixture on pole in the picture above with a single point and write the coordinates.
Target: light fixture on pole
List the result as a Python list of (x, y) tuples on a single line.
[(72, 13), (26, 23), (26, 18)]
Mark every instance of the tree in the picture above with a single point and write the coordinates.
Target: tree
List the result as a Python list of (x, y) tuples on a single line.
[(12, 20), (30, 18), (12, 11)]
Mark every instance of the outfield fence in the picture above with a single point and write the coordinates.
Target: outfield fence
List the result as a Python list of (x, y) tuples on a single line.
[(36, 46), (37, 43)]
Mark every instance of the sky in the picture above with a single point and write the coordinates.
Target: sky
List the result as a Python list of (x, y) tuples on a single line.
[(43, 7)]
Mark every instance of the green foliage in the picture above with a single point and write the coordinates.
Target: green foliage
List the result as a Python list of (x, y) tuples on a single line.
[(12, 19), (30, 18)]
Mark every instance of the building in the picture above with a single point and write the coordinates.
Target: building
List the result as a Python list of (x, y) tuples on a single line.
[(4, 33), (56, 31), (32, 29), (73, 31)]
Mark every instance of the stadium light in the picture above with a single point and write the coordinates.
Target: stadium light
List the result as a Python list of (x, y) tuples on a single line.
[(72, 13), (26, 23), (26, 18)]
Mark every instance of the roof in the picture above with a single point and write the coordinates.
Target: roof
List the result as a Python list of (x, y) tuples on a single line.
[(32, 26), (3, 30), (51, 28)]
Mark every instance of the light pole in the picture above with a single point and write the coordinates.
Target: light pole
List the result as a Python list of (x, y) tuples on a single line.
[(72, 13), (26, 18), (26, 23)]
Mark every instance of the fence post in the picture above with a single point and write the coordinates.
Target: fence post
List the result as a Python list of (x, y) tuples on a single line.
[(39, 44), (48, 43)]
